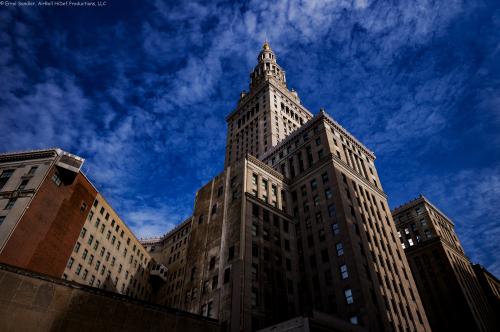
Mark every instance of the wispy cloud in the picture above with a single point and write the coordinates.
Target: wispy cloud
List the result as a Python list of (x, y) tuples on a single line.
[(142, 95)]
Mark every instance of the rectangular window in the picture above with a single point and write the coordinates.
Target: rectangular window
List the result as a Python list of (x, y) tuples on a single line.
[(255, 250), (343, 272), (96, 245), (227, 275), (85, 273), (331, 210), (340, 249), (320, 153), (91, 239), (231, 253), (78, 269), (77, 247), (324, 255), (10, 203), (85, 253), (324, 177), (56, 179), (91, 259), (348, 296), (5, 176), (83, 232), (215, 281), (314, 184), (328, 193), (335, 229), (70, 262), (23, 184), (254, 229), (211, 265)]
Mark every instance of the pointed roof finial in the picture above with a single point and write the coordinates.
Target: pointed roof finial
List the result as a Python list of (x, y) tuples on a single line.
[(266, 45)]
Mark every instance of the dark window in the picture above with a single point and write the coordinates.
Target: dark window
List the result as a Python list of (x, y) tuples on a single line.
[(219, 191), (227, 275), (200, 219), (10, 203), (255, 250), (231, 253), (4, 177), (212, 263), (324, 177), (255, 210), (312, 260), (215, 281), (331, 210), (324, 255)]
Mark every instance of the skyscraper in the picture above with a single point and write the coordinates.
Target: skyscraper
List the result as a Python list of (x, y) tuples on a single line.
[(449, 288), (297, 222)]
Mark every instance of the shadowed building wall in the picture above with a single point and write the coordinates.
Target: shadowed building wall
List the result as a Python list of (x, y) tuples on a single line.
[(35, 302), (447, 284)]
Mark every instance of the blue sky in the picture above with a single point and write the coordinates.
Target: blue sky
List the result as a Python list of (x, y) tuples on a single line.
[(141, 92)]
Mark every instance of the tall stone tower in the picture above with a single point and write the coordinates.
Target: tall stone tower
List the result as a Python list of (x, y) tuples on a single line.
[(262, 119), (296, 224)]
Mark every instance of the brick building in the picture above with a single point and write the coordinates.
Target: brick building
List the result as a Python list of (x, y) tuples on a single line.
[(54, 221)]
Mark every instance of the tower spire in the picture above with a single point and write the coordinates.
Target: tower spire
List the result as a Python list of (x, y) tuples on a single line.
[(267, 67)]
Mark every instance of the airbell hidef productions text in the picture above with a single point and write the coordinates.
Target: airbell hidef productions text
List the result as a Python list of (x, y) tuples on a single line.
[(53, 3)]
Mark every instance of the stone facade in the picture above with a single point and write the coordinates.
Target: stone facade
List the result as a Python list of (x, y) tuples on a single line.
[(297, 222), (34, 302), (447, 284)]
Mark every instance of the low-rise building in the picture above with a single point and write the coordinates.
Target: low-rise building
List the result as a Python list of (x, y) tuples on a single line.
[(108, 255), (54, 221)]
